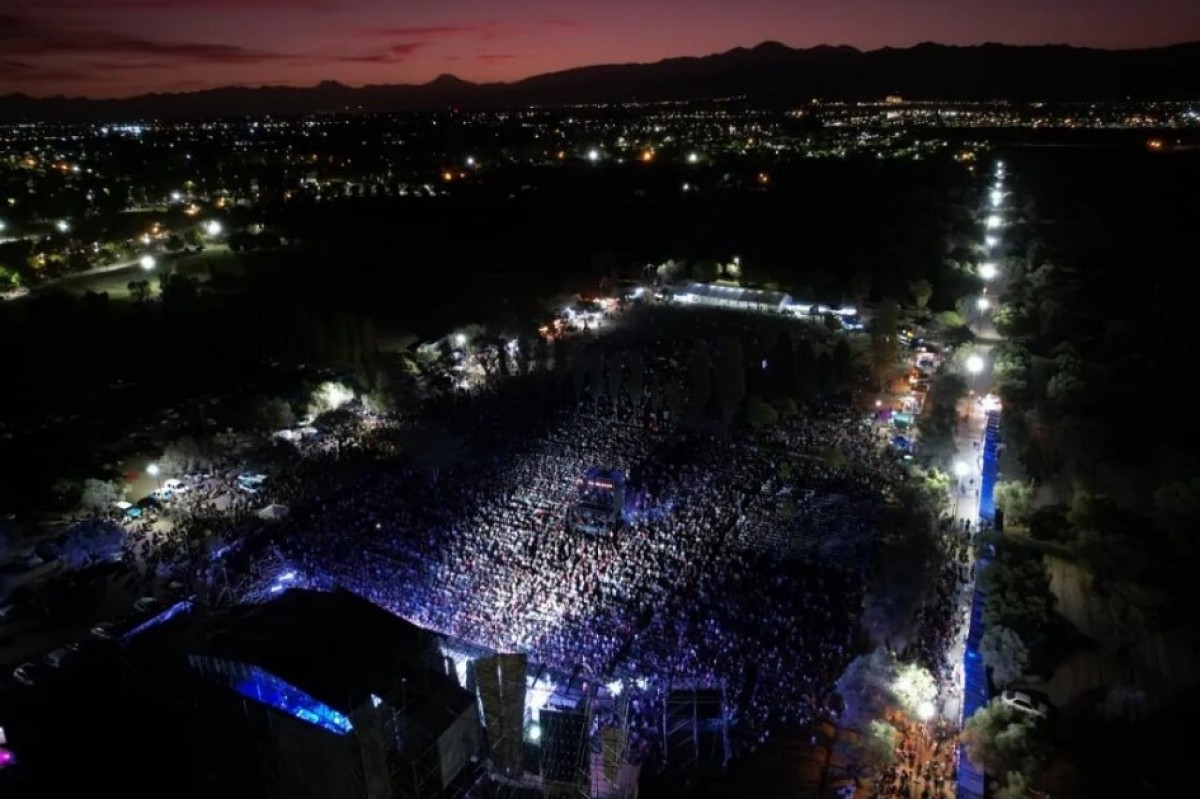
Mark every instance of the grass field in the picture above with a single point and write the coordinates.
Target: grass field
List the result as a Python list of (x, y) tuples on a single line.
[(116, 284)]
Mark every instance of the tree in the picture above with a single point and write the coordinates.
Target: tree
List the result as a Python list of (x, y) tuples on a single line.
[(183, 455), (885, 341), (905, 566), (914, 687), (920, 290), (1177, 510), (1015, 500), (874, 751), (192, 237), (91, 542), (1000, 739), (730, 373), (866, 686), (706, 270), (1013, 786), (860, 289), (700, 378), (139, 290), (1005, 654), (637, 378), (329, 396), (272, 413), (433, 447), (759, 413), (98, 496)]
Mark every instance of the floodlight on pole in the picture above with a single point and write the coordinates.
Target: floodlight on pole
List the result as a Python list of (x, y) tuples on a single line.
[(987, 271), (974, 364), (147, 262), (982, 303), (213, 227)]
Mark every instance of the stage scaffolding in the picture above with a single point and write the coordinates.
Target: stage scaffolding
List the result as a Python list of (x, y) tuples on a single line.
[(695, 727)]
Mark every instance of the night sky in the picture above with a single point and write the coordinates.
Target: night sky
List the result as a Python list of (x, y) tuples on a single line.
[(107, 48)]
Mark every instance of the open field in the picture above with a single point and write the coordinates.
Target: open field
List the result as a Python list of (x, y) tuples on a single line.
[(1123, 648), (116, 283)]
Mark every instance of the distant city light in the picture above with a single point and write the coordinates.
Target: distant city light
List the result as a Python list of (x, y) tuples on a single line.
[(593, 155), (176, 196), (470, 160), (62, 225), (987, 271), (693, 158), (993, 222), (147, 262), (213, 228)]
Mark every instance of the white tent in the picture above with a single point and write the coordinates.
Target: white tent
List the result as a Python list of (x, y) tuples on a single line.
[(273, 512)]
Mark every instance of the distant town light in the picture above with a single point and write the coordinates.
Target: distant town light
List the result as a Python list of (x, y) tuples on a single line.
[(593, 155), (62, 225), (470, 160), (147, 262), (176, 196), (987, 271), (693, 158)]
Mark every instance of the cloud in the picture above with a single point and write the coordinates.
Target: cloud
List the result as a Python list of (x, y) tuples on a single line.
[(28, 37), (33, 73), (224, 6), (495, 58), (395, 54), (487, 30)]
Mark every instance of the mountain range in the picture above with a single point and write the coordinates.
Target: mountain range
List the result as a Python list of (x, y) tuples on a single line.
[(769, 74)]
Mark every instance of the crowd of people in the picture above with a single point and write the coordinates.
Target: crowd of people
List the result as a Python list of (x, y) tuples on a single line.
[(738, 563)]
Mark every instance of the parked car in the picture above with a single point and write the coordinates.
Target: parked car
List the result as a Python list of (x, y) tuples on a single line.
[(105, 631), (58, 657), (1019, 700), (27, 674)]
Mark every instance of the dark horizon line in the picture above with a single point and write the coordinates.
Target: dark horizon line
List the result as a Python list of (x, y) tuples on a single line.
[(566, 70)]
